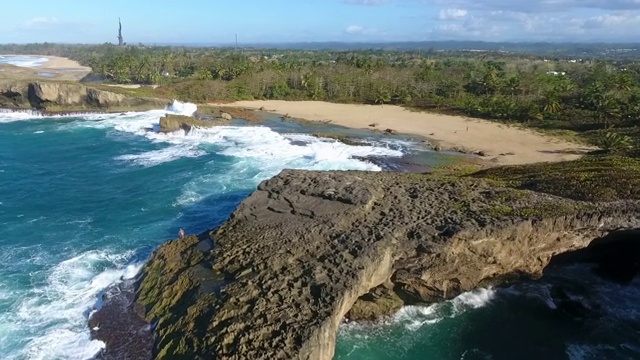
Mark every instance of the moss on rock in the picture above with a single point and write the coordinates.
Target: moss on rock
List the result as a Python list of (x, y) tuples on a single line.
[(379, 302), (593, 178)]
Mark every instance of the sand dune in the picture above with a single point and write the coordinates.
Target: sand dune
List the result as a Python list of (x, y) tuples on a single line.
[(501, 144)]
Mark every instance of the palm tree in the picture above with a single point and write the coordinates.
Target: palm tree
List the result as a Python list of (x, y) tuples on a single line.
[(614, 142), (382, 96), (512, 85), (551, 103), (607, 109)]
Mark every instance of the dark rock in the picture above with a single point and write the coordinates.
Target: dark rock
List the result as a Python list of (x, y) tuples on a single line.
[(169, 123), (93, 78)]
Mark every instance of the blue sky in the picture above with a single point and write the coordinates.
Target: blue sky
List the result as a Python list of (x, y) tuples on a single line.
[(216, 21)]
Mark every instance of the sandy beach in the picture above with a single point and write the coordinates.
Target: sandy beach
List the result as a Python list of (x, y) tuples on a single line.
[(503, 145), (55, 67), (55, 62)]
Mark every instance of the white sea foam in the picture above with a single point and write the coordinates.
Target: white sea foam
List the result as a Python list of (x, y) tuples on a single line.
[(414, 318), (23, 61), (155, 157), (182, 108), (259, 146), (61, 306), (473, 300)]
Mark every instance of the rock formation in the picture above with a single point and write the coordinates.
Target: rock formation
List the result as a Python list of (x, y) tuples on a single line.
[(276, 280), (55, 96), (170, 123)]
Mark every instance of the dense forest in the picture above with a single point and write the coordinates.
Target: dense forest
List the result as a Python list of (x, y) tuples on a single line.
[(600, 99)]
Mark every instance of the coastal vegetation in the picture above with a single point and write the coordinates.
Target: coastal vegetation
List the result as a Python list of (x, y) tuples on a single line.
[(597, 98), (592, 178)]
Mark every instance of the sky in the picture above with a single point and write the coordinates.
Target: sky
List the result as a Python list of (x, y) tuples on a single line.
[(285, 21)]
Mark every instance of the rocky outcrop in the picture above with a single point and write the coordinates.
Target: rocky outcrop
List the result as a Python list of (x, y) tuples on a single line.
[(55, 96), (276, 280), (169, 123)]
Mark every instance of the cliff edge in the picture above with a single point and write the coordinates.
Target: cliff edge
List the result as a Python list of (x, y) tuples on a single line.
[(276, 280), (63, 97)]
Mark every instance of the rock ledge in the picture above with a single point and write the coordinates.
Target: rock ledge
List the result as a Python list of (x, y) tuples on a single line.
[(276, 280)]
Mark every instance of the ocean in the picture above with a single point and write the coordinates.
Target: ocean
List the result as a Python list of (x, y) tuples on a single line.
[(85, 199), (23, 61)]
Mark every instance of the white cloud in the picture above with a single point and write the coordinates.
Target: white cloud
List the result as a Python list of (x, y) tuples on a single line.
[(539, 6), (366, 2), (360, 30), (509, 25), (40, 22), (353, 29), (452, 14)]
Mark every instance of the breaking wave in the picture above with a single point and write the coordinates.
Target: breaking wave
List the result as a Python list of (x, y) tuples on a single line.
[(61, 305)]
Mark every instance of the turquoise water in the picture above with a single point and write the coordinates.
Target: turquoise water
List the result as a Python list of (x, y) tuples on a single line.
[(596, 320), (84, 200)]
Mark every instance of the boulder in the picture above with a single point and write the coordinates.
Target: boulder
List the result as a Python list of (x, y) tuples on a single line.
[(170, 123), (102, 98), (41, 94)]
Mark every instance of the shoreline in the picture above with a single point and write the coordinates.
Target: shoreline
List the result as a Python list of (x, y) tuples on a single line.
[(53, 63), (501, 144)]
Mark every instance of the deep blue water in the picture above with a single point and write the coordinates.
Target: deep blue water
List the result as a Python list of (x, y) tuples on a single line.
[(84, 200)]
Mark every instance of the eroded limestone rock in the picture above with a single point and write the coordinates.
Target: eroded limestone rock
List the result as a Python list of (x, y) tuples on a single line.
[(68, 97), (296, 255)]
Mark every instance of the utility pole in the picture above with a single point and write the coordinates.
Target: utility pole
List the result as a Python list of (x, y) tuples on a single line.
[(236, 41), (120, 38)]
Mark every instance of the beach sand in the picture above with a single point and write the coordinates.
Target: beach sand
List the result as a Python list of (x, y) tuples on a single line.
[(502, 144), (60, 63), (55, 68)]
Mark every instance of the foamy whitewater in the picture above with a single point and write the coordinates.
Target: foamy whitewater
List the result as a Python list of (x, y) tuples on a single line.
[(23, 60), (85, 199)]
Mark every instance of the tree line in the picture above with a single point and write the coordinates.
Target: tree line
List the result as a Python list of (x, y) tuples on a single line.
[(565, 94)]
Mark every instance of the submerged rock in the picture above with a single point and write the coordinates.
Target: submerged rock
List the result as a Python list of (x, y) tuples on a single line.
[(276, 280)]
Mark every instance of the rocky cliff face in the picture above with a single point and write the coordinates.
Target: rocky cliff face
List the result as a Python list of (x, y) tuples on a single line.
[(276, 280), (52, 96)]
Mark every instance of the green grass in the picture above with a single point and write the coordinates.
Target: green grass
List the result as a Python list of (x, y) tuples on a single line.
[(593, 178)]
